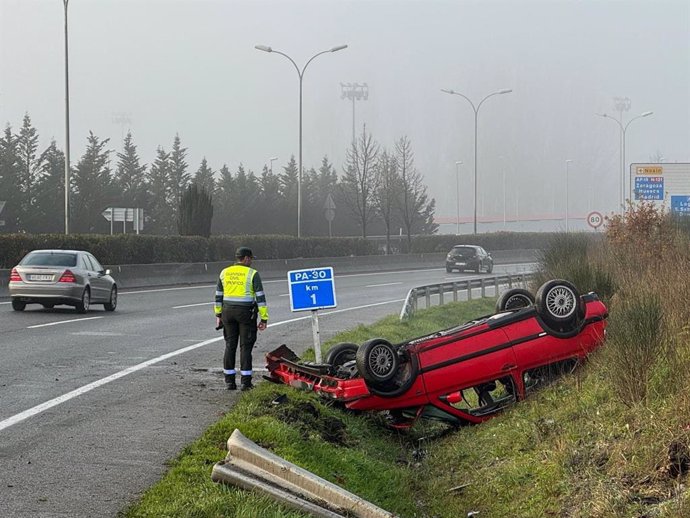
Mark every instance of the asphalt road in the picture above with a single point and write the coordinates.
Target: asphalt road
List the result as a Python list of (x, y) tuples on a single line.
[(92, 406)]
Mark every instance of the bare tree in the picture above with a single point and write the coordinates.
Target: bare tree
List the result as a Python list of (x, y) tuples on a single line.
[(386, 194), (416, 210), (360, 180)]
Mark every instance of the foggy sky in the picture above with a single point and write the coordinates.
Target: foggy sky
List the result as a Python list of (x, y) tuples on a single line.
[(190, 67)]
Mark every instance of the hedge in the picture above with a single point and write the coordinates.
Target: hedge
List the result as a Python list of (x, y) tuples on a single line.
[(145, 249)]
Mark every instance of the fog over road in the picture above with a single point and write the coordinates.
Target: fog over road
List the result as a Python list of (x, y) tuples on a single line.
[(92, 406)]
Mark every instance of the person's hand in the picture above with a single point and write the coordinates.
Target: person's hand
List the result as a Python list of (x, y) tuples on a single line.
[(262, 325), (219, 323)]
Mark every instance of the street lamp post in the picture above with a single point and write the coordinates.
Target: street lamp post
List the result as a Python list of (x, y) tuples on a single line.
[(623, 130), (503, 174), (300, 73), (67, 166), (270, 162), (567, 171), (476, 115), (457, 177)]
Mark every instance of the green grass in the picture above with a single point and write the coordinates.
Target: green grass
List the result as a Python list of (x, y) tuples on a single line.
[(364, 457)]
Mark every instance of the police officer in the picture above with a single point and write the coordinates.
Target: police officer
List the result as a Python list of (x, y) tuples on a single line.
[(240, 299)]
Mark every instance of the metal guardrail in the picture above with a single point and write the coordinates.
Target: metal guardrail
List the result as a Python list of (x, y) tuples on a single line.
[(437, 292)]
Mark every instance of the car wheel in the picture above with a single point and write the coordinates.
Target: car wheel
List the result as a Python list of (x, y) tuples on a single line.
[(85, 302), (18, 305), (340, 354), (112, 302), (448, 270), (48, 306), (377, 360), (490, 268), (560, 307), (478, 268), (514, 298), (403, 380)]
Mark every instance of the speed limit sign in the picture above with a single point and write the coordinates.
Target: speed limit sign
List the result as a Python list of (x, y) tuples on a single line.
[(595, 219)]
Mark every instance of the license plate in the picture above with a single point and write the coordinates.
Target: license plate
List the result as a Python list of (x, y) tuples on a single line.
[(41, 277), (459, 264)]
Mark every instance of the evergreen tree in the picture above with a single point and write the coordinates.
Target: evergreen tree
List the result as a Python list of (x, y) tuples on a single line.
[(222, 220), (50, 191), (93, 189), (270, 204), (160, 217), (196, 212), (204, 177), (130, 176), (10, 181), (29, 167), (244, 202), (359, 181), (179, 177), (288, 190)]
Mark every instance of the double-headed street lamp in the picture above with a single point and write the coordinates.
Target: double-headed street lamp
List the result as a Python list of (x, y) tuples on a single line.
[(270, 161), (623, 130), (67, 166), (300, 73), (476, 114), (567, 171), (457, 176)]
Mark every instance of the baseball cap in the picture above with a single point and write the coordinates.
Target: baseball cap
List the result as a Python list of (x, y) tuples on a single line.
[(243, 251)]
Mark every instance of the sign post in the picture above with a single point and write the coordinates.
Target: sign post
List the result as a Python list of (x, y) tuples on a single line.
[(310, 290)]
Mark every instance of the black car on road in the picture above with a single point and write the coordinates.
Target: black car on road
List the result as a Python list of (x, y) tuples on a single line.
[(469, 257)]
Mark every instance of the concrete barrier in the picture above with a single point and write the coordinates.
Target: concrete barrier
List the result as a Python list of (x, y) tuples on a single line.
[(166, 274), (250, 466)]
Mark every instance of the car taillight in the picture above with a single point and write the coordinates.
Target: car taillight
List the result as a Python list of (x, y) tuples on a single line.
[(68, 276), (14, 276)]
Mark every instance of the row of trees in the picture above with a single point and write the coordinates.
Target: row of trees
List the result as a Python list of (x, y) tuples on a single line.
[(375, 182)]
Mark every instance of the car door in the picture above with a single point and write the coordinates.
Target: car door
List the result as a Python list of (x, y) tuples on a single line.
[(100, 287)]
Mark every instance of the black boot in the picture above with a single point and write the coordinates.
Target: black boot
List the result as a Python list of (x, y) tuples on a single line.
[(247, 383), (230, 382)]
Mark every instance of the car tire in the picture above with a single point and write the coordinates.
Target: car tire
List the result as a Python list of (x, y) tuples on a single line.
[(403, 380), (112, 302), (48, 306), (490, 268), (559, 307), (18, 305), (85, 302), (340, 354), (515, 298), (449, 270), (377, 360), (478, 268)]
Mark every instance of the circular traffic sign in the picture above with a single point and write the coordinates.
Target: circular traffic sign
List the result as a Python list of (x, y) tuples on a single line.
[(595, 219)]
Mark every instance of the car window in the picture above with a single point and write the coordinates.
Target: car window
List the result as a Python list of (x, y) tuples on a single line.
[(96, 265), (465, 251), (84, 263), (49, 259)]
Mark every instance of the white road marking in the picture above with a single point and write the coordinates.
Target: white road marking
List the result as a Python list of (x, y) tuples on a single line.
[(38, 409), (6, 302), (384, 284), (192, 305), (284, 295), (63, 322)]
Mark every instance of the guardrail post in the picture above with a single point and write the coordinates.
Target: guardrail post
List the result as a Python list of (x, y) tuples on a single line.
[(455, 291), (510, 281), (496, 287), (469, 290), (483, 288), (440, 294), (427, 295)]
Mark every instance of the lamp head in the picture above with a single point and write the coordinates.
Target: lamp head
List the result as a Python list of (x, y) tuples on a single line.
[(505, 91), (264, 48), (339, 47), (646, 114), (447, 91)]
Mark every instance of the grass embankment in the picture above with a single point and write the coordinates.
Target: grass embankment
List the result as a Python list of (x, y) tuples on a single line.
[(356, 452), (610, 440)]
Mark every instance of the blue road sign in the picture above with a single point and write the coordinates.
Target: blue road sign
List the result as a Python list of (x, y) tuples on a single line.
[(680, 205), (649, 187), (311, 289)]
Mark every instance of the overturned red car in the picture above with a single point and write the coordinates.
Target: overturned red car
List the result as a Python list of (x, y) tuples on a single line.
[(460, 375)]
